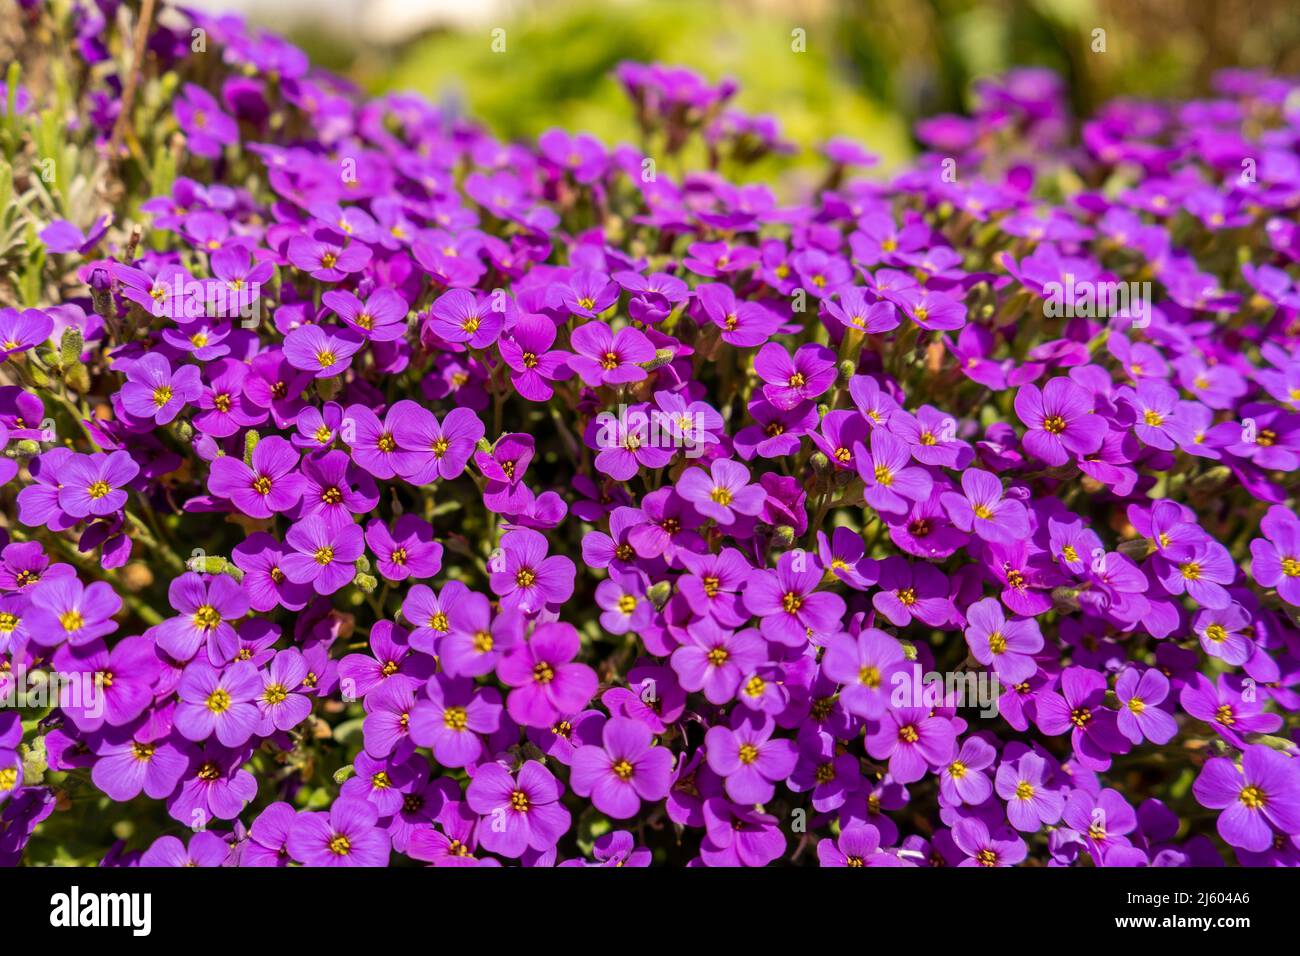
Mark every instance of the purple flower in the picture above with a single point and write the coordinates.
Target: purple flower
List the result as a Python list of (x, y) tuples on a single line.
[(154, 391), (518, 813), (323, 353), (205, 849), (865, 665), (271, 484), (748, 757), (381, 318), (980, 848), (722, 492), (547, 684), (1004, 644), (524, 577), (92, 484), (218, 702), (981, 508), (1259, 800), (208, 131), (794, 379), (131, 763), (282, 704), (1276, 557), (606, 358), (911, 591), (460, 316), (890, 477), (324, 554), (791, 609), (857, 845), (325, 258), (533, 364), (1140, 717), (452, 717), (622, 772), (1031, 802), (204, 609), (390, 659), (63, 609), (1060, 420), (348, 835)]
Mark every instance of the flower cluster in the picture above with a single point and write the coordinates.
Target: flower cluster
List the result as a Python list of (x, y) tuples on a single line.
[(402, 494)]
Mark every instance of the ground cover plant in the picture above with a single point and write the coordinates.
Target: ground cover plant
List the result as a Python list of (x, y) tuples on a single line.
[(379, 492)]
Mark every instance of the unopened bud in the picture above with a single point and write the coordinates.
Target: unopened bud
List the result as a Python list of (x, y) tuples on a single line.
[(251, 438), (1065, 599), (366, 582), (1136, 548), (659, 594), (783, 536), (662, 357), (70, 347)]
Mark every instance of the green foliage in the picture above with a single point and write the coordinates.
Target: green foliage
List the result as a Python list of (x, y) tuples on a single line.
[(557, 65)]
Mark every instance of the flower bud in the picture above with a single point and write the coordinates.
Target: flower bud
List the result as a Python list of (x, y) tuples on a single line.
[(659, 594)]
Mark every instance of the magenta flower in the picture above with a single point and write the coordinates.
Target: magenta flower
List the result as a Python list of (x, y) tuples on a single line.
[(722, 492), (517, 813), (912, 739), (1260, 800), (218, 702), (434, 449), (748, 757), (791, 609), (270, 485), (625, 770), (324, 555), (407, 551), (533, 363), (348, 835), (524, 577), (153, 391), (794, 379), (452, 718), (547, 683), (1077, 709), (1060, 420), (605, 358)]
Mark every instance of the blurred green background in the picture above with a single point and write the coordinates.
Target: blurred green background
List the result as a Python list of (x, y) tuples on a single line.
[(871, 67)]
